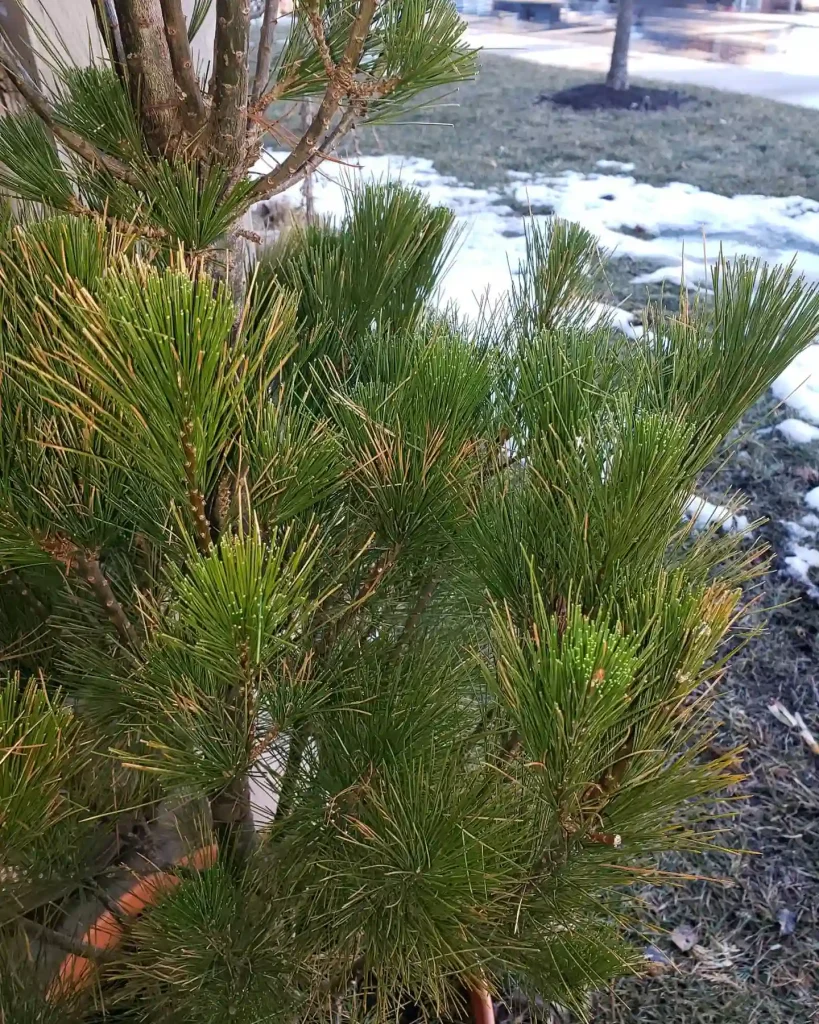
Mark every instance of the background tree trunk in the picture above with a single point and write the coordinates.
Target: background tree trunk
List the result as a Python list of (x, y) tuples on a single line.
[(618, 70)]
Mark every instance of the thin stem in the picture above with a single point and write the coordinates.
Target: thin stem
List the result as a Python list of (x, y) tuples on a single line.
[(308, 151), (89, 568), (196, 500), (287, 790), (64, 942), (109, 26), (307, 184), (264, 59), (176, 32), (43, 109), (425, 595)]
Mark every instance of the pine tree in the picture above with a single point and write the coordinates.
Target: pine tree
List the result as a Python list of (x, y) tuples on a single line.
[(355, 656)]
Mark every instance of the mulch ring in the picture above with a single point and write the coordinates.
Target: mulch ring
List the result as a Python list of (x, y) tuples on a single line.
[(599, 96)]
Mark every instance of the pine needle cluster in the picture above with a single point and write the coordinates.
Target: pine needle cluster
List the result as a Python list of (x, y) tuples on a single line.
[(354, 655)]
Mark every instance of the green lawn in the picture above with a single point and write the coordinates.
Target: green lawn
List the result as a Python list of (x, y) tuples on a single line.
[(719, 141)]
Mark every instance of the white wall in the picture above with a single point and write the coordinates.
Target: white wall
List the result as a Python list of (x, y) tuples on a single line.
[(70, 25)]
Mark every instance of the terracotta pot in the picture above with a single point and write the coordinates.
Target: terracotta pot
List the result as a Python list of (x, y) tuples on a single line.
[(480, 1003), (76, 972)]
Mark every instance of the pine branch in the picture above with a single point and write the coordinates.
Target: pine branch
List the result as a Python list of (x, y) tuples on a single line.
[(41, 106), (195, 496), (276, 182), (151, 78), (310, 150), (89, 568), (176, 32), (228, 119), (425, 595), (264, 58)]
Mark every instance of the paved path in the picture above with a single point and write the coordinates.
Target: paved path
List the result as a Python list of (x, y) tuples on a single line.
[(573, 50)]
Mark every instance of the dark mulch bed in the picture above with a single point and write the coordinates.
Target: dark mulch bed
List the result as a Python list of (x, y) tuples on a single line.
[(598, 96)]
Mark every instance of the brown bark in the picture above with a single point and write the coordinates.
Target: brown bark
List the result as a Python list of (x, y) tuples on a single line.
[(229, 84), (150, 73), (89, 568), (187, 84), (264, 59), (310, 149), (618, 70), (233, 821)]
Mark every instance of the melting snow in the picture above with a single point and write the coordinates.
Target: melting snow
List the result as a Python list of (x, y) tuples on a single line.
[(799, 564), (797, 431), (678, 226), (614, 165), (798, 386), (706, 514)]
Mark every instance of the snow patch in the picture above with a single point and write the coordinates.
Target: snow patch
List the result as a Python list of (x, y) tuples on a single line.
[(614, 165), (678, 215), (797, 431), (797, 530), (666, 223), (798, 385), (799, 564), (688, 273), (812, 498), (706, 514)]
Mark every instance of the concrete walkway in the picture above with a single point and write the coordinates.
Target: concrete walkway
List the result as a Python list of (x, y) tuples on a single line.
[(578, 50)]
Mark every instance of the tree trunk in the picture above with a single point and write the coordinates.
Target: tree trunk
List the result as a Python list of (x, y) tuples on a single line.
[(233, 821), (229, 84), (152, 82), (618, 70)]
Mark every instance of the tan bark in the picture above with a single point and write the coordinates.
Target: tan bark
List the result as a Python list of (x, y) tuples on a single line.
[(152, 82), (229, 84)]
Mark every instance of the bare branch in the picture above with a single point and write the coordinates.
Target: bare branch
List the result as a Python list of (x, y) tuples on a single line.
[(264, 59), (89, 568), (425, 595), (41, 106), (264, 189), (176, 32), (309, 151), (151, 78), (228, 119), (109, 29)]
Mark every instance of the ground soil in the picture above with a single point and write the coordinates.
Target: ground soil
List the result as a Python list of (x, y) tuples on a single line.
[(598, 96)]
